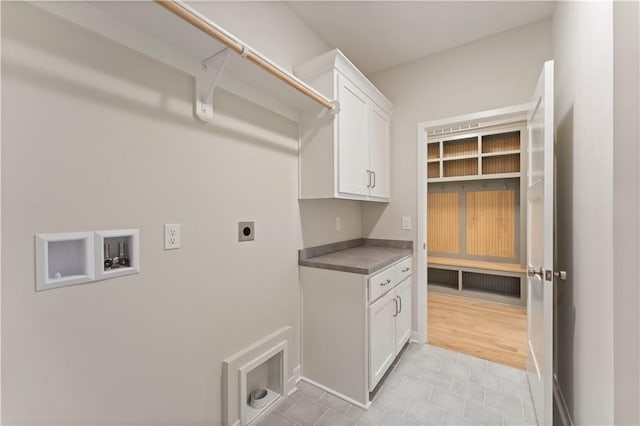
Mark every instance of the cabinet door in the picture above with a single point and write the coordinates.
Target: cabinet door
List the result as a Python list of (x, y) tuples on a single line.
[(353, 139), (403, 319), (379, 154), (382, 344)]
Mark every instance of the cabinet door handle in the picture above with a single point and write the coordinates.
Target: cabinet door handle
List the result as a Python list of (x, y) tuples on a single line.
[(400, 299), (374, 179), (395, 300), (369, 184), (407, 269)]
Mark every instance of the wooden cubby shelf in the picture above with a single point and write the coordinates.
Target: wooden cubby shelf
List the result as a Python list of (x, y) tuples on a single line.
[(487, 154)]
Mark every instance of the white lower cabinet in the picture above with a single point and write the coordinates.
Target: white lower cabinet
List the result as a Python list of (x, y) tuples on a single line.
[(353, 327), (403, 318), (382, 337), (389, 329)]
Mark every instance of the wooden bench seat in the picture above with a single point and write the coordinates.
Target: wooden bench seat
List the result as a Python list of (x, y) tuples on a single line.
[(475, 264), (491, 281)]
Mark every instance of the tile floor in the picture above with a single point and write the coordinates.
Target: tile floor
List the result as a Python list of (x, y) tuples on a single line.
[(427, 386)]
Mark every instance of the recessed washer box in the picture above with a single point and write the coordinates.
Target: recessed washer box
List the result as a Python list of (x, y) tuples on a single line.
[(117, 253), (64, 259)]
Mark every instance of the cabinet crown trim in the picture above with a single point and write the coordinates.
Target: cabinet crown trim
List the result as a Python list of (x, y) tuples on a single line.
[(335, 60)]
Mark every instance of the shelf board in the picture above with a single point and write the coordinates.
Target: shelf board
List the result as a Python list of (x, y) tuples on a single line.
[(474, 177), (500, 175), (500, 153), (433, 160), (461, 157)]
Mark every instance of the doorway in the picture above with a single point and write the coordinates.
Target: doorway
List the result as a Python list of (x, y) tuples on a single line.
[(472, 235)]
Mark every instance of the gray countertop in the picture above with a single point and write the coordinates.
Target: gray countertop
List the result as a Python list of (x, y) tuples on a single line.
[(360, 256)]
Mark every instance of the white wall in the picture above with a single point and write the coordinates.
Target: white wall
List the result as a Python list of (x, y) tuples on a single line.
[(269, 27), (596, 51), (626, 157), (494, 72), (319, 221), (96, 136)]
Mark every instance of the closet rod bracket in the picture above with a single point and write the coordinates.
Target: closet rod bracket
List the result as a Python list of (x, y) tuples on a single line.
[(206, 80)]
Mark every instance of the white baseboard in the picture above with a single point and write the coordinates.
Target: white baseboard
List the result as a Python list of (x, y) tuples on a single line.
[(338, 394), (561, 403)]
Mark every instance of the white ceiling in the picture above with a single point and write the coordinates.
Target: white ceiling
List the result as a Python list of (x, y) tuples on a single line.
[(376, 35)]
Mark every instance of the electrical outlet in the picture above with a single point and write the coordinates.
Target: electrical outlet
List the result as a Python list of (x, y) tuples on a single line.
[(171, 236), (246, 231), (338, 223)]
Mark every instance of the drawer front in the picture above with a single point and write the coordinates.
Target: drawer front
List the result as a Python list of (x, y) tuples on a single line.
[(382, 282), (405, 269)]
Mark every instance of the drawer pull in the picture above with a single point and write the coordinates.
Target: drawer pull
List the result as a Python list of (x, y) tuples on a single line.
[(407, 269), (387, 282)]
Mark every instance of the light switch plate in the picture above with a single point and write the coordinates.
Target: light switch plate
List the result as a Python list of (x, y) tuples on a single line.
[(406, 223), (171, 236)]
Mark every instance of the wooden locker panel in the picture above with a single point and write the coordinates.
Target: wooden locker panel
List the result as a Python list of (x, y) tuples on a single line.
[(443, 222), (491, 223)]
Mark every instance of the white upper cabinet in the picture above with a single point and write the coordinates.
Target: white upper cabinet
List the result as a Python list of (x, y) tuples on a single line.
[(353, 119), (379, 153), (346, 154)]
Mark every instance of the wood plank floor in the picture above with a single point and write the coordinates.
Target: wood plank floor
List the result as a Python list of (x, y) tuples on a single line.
[(483, 329)]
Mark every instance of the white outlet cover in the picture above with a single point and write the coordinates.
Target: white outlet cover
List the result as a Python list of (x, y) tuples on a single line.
[(171, 236)]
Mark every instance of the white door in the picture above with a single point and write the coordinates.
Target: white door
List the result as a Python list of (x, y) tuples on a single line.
[(382, 340), (353, 140), (540, 246), (380, 153), (403, 317)]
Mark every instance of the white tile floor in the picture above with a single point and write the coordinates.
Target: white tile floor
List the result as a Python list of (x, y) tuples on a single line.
[(428, 386)]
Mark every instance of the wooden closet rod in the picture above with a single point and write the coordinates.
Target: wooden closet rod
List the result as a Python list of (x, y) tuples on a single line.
[(215, 32)]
